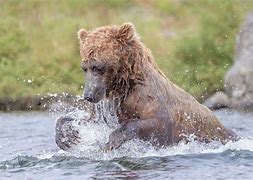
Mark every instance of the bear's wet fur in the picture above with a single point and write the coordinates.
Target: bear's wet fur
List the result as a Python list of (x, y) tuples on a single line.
[(150, 107)]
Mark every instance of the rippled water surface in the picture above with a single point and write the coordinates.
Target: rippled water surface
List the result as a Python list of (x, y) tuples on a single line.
[(28, 151)]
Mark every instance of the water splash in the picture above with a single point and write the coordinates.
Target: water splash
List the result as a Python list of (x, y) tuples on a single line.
[(94, 134)]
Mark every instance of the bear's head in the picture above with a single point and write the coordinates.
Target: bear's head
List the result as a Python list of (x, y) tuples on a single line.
[(111, 59)]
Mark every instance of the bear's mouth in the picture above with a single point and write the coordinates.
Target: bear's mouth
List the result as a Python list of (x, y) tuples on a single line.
[(92, 100), (95, 97)]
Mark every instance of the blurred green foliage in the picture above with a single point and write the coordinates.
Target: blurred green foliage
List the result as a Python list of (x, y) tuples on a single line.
[(192, 41), (203, 57)]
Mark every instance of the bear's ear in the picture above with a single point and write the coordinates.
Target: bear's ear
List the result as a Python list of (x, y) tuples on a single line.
[(82, 34), (126, 32)]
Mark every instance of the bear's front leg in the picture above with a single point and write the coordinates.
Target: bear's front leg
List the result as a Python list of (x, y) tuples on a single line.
[(144, 129), (65, 133), (126, 132)]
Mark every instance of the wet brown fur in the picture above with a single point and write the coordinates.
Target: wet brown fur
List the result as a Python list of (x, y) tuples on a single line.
[(151, 106)]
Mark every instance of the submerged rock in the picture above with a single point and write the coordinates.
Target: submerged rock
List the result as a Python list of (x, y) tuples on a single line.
[(239, 78), (217, 101)]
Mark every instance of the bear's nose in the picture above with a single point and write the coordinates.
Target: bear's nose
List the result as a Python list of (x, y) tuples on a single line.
[(88, 98)]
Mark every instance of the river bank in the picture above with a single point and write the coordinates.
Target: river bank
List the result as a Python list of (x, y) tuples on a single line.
[(28, 103), (65, 101)]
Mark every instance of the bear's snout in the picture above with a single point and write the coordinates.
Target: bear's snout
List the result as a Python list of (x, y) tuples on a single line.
[(94, 97), (88, 97)]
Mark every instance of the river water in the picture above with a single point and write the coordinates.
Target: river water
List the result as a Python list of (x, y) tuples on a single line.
[(28, 151)]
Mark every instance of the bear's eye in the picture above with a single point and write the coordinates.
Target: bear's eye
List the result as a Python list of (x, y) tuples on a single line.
[(93, 68), (98, 69)]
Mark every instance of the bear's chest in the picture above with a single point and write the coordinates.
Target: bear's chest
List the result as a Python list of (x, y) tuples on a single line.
[(127, 113)]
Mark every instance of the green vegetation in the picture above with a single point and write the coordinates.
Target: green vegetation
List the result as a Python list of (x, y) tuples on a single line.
[(192, 41)]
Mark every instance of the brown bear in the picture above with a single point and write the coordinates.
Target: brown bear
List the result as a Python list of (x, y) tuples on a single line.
[(149, 106)]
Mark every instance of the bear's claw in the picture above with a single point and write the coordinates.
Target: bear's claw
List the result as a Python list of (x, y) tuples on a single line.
[(66, 136)]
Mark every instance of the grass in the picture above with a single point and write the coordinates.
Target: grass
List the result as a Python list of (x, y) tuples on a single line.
[(192, 41)]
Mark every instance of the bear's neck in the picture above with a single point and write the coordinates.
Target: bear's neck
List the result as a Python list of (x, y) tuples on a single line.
[(150, 69), (146, 74)]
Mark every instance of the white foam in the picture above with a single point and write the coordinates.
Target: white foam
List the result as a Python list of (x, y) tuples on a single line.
[(95, 134)]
